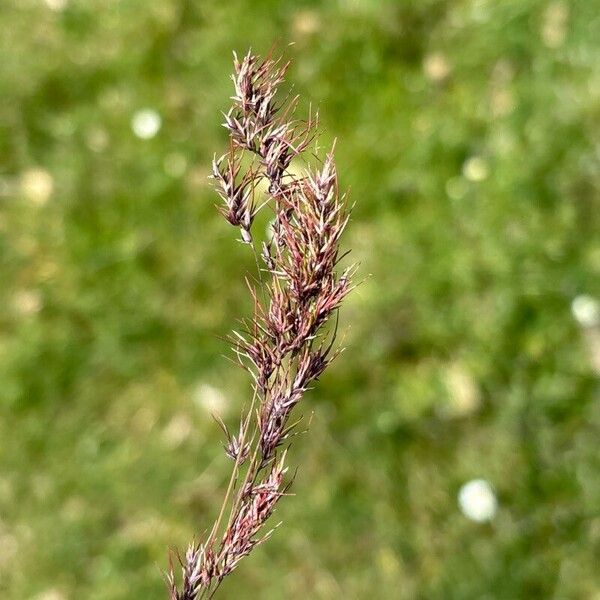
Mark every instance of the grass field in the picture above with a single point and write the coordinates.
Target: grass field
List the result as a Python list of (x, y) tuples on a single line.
[(469, 134)]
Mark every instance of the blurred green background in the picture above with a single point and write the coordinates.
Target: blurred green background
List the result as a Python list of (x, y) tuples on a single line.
[(469, 134)]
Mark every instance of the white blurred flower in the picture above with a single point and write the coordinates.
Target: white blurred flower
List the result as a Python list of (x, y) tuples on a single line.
[(146, 123), (586, 310), (476, 169), (28, 302), (436, 67), (554, 24), (52, 594), (477, 500), (210, 399), (306, 22), (37, 185), (56, 5), (463, 391)]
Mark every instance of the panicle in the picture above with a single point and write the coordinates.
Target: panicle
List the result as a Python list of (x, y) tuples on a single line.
[(286, 345)]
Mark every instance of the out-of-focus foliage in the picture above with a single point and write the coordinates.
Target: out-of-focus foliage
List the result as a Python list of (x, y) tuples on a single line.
[(469, 133)]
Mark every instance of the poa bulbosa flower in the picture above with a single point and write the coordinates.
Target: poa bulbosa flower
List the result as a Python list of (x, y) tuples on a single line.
[(289, 341)]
